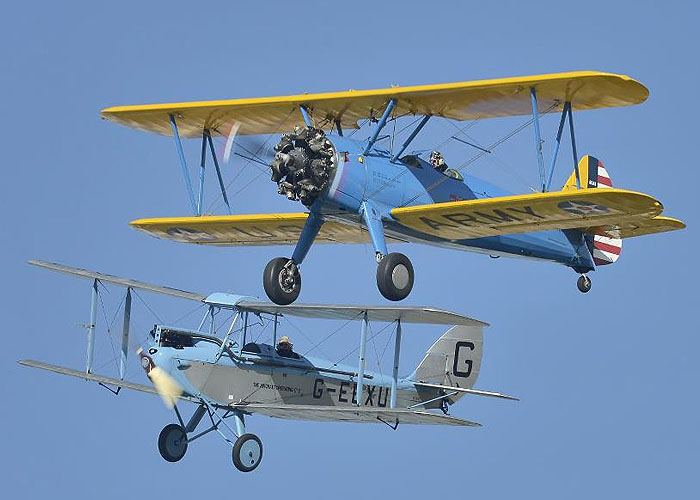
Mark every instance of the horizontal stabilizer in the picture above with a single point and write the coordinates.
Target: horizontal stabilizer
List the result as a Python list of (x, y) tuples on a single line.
[(529, 212), (476, 392), (631, 229), (92, 377), (352, 414)]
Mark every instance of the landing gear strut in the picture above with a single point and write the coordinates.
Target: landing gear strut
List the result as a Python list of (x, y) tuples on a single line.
[(584, 283), (247, 448), (395, 276), (282, 281)]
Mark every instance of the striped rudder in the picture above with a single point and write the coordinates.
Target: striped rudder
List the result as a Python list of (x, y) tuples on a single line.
[(593, 174)]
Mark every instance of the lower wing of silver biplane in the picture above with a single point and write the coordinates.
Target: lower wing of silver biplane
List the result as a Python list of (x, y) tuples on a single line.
[(610, 211), (391, 417)]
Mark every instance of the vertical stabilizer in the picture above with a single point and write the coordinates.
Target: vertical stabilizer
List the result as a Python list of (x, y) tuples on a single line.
[(605, 248)]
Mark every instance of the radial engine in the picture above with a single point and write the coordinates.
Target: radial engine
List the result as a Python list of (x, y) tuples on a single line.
[(304, 164)]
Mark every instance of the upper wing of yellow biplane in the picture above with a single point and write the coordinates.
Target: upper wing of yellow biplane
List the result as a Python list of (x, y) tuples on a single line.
[(459, 101), (583, 209), (247, 230)]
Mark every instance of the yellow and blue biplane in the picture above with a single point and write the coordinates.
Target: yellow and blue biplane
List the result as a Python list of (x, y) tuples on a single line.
[(356, 191)]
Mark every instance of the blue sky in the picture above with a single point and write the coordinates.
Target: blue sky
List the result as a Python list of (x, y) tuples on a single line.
[(608, 380)]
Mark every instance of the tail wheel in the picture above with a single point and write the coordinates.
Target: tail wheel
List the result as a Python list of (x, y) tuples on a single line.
[(395, 276), (172, 442), (282, 281), (584, 283), (247, 452)]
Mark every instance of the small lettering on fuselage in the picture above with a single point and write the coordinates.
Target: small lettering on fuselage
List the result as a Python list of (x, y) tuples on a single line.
[(482, 217), (279, 388), (374, 395)]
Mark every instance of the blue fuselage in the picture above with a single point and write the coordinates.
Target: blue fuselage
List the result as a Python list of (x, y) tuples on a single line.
[(412, 181)]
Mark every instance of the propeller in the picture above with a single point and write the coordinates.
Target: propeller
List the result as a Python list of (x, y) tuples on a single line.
[(166, 386), (251, 147)]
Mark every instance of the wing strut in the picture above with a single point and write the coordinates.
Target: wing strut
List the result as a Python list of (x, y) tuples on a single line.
[(411, 137), (361, 364), (125, 333), (557, 142), (218, 169), (395, 370), (382, 121), (305, 115), (573, 148), (538, 137), (91, 328), (183, 163)]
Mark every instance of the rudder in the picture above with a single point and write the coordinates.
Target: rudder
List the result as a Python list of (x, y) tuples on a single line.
[(605, 248), (454, 359)]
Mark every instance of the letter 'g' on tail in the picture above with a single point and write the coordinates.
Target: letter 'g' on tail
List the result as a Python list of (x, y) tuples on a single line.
[(454, 359)]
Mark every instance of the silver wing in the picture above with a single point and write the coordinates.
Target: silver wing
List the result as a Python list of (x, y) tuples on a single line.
[(352, 414)]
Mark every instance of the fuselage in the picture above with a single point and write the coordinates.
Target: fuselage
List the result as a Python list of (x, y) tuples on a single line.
[(411, 181), (257, 374)]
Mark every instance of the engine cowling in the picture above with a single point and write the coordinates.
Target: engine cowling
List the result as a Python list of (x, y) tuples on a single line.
[(304, 164)]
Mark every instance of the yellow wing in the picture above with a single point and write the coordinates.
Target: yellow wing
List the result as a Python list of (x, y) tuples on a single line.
[(459, 101), (581, 209), (247, 230)]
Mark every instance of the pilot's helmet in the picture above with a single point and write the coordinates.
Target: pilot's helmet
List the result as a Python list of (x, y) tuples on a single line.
[(435, 156), (284, 343)]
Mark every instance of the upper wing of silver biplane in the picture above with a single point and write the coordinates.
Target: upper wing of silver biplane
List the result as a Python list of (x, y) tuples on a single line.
[(352, 414), (459, 101), (407, 314), (125, 282)]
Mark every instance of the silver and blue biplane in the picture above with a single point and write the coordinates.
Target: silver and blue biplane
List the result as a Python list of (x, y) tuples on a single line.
[(356, 191), (230, 377)]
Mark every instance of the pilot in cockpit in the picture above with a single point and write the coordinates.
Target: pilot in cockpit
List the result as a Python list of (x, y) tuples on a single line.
[(285, 348), (438, 162)]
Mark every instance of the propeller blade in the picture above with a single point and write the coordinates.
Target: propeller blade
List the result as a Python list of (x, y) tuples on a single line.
[(229, 140), (168, 389)]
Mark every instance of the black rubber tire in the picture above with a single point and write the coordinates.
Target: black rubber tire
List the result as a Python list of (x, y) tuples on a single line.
[(273, 287), (584, 284), (395, 276), (171, 441), (238, 461)]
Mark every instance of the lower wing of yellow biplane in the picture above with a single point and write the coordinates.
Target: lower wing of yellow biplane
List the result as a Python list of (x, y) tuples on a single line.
[(617, 211), (247, 230)]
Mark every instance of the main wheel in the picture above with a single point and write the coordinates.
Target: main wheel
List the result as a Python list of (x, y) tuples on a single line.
[(172, 442), (395, 276), (282, 281), (583, 283), (247, 452)]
